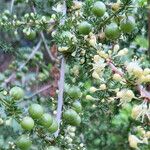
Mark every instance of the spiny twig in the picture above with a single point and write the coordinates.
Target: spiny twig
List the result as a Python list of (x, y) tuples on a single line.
[(53, 59), (23, 65), (47, 48), (31, 55), (39, 91)]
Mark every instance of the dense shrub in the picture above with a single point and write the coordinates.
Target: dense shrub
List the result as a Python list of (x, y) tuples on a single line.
[(75, 75)]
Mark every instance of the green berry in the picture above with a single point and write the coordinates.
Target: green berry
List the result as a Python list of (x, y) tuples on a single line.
[(23, 142), (127, 25), (35, 111), (54, 127), (27, 123), (99, 9), (31, 36), (77, 106), (112, 31), (74, 92), (84, 28), (46, 120), (71, 117), (16, 93)]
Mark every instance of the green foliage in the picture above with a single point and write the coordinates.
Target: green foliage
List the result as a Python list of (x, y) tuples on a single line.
[(142, 2), (97, 51), (6, 47), (141, 41)]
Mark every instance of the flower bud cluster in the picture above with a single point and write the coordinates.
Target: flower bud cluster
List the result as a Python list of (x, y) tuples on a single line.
[(142, 138), (125, 96)]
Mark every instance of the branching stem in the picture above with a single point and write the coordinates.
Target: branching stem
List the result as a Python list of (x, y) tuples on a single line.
[(60, 94), (23, 65), (39, 91)]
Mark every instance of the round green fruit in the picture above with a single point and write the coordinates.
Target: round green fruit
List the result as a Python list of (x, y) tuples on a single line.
[(16, 93), (99, 9), (25, 69), (19, 75), (74, 92), (23, 142), (112, 31), (27, 123), (54, 127), (35, 111), (31, 35), (46, 120), (71, 117), (77, 106), (128, 24), (84, 28)]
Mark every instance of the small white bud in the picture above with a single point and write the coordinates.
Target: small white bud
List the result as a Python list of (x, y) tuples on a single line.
[(102, 87)]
